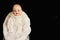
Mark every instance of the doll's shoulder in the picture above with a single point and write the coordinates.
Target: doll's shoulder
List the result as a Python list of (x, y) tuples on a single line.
[(25, 15), (9, 15)]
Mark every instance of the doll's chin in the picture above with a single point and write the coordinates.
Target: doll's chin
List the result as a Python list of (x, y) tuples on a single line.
[(17, 14)]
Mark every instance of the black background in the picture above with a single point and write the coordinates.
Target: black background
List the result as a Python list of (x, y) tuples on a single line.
[(43, 25)]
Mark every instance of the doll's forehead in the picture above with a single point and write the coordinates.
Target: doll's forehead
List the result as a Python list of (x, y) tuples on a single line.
[(16, 6)]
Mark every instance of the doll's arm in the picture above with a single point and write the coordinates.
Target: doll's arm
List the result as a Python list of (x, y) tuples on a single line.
[(7, 22), (5, 30), (26, 28)]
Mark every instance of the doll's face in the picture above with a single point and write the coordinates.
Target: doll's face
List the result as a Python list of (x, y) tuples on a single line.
[(17, 10)]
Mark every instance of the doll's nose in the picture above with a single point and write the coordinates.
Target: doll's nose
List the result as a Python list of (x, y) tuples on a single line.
[(16, 12)]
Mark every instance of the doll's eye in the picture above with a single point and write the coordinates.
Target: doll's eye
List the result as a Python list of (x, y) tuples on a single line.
[(18, 10)]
